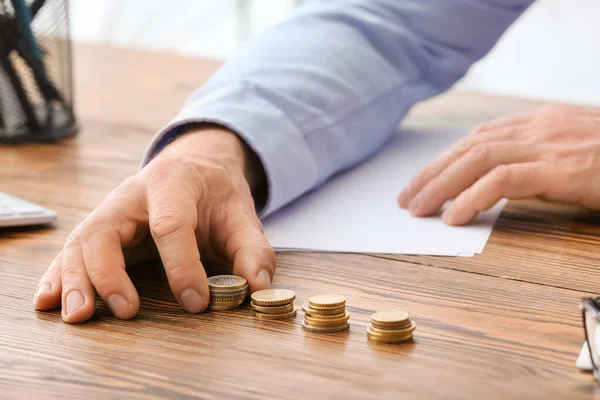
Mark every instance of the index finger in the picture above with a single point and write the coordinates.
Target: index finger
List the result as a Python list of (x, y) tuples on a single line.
[(173, 218), (440, 163)]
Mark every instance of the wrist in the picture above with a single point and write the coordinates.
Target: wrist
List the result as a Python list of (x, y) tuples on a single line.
[(219, 143)]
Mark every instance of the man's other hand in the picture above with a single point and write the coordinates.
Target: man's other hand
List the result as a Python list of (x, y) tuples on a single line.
[(193, 200), (552, 152)]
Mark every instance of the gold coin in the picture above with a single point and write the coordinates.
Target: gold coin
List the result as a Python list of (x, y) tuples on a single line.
[(319, 329), (391, 332), (226, 282), (391, 339), (385, 335), (273, 309), (291, 314), (273, 297), (217, 299), (390, 317), (398, 327), (235, 292), (308, 310), (225, 306), (327, 301), (329, 322)]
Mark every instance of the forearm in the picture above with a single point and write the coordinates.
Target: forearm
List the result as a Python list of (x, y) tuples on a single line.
[(328, 87)]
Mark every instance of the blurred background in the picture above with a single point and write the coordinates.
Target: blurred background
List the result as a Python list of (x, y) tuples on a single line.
[(551, 53)]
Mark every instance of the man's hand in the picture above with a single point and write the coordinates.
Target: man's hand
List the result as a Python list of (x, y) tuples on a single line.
[(552, 152), (193, 200)]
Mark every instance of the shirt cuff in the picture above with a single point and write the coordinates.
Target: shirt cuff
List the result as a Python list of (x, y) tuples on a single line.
[(286, 158)]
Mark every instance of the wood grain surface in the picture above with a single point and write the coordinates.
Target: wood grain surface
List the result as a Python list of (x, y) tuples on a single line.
[(504, 324)]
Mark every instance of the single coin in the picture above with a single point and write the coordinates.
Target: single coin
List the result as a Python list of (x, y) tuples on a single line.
[(291, 314), (319, 329), (329, 322), (226, 282), (398, 339), (395, 332), (235, 292), (389, 339), (273, 309), (390, 317), (224, 306), (229, 293), (308, 310), (217, 299), (400, 327), (391, 335), (326, 301), (273, 297)]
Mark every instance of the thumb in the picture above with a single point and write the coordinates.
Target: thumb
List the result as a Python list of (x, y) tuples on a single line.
[(249, 250)]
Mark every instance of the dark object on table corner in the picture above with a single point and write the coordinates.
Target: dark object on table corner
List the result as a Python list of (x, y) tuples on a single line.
[(590, 312), (36, 91)]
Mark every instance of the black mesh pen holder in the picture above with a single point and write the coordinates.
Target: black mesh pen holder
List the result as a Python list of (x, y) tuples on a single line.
[(36, 91)]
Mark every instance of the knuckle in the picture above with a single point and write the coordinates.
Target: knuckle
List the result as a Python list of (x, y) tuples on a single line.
[(73, 240), (128, 185), (101, 279), (465, 144), (86, 230), (70, 274), (481, 128), (179, 275), (165, 224), (501, 175), (479, 153), (159, 170)]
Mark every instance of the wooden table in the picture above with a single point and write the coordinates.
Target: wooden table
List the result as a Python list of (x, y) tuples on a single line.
[(504, 324)]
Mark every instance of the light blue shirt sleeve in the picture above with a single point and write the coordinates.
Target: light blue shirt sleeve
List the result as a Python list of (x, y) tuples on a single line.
[(323, 90)]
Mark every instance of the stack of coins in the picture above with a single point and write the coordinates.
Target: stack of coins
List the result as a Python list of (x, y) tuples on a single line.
[(227, 292), (274, 304), (326, 313), (390, 327)]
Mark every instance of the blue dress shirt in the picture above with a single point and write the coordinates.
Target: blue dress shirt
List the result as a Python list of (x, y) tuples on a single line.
[(326, 88)]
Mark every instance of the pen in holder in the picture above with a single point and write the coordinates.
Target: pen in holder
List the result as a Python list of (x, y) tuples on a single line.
[(36, 89)]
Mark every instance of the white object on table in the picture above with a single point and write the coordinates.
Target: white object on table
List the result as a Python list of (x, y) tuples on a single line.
[(357, 211), (15, 211), (584, 361)]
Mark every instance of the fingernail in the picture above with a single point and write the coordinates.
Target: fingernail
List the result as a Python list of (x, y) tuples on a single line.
[(118, 305), (447, 217), (415, 204), (44, 288), (74, 301), (192, 300), (403, 197), (264, 276)]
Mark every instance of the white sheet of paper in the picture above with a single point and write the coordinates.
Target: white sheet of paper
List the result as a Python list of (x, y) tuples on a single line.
[(357, 210)]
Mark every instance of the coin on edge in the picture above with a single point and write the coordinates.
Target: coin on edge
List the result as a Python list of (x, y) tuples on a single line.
[(273, 309), (308, 310), (327, 301), (291, 314), (388, 338), (389, 332), (324, 330), (390, 317), (227, 282), (327, 322), (273, 297)]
